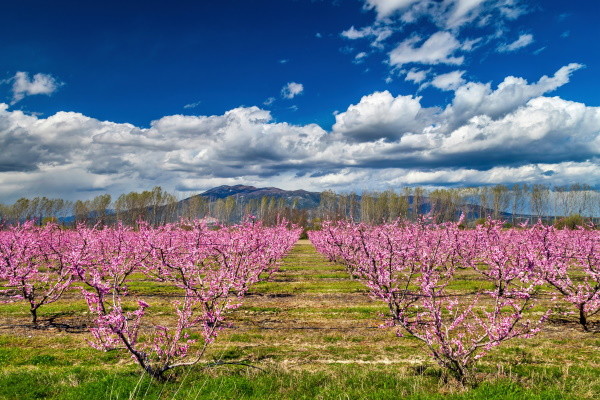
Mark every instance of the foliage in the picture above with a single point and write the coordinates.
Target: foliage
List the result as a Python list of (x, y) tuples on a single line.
[(573, 221)]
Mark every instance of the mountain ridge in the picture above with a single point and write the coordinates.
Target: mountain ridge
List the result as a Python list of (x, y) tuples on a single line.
[(304, 198)]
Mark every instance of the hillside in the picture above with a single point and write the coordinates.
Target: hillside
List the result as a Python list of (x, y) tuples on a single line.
[(304, 198)]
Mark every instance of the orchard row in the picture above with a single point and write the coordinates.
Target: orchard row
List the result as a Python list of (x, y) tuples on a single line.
[(210, 270), (414, 268)]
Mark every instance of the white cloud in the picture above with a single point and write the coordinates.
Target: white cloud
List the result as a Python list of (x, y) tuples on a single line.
[(451, 17), (471, 44), (192, 105), (439, 48), (269, 101), (291, 90), (360, 57), (447, 14), (416, 76), (385, 8), (511, 9), (545, 130), (380, 115), (485, 135), (377, 33), (474, 98), (463, 11), (523, 41), (450, 81), (39, 84), (452, 14)]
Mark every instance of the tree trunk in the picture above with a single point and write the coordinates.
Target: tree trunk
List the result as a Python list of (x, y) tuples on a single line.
[(583, 317), (33, 312)]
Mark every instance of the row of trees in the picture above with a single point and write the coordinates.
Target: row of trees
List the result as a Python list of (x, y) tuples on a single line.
[(413, 268), (207, 272), (157, 206), (515, 203)]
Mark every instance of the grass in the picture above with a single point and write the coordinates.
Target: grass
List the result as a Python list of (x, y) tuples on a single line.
[(314, 333), (338, 382)]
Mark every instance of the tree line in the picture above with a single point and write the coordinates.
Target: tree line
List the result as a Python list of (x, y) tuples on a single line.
[(514, 204), (156, 206)]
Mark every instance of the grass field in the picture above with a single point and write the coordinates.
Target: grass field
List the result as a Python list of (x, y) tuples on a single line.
[(312, 331)]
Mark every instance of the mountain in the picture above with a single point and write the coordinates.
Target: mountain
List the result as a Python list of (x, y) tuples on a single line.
[(304, 198), (311, 200)]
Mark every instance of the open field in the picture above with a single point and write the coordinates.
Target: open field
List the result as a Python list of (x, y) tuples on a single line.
[(312, 331)]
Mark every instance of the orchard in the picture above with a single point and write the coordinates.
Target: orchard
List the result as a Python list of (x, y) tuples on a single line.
[(176, 299)]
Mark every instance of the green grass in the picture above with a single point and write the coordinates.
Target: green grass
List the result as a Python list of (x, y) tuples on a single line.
[(338, 382), (311, 329)]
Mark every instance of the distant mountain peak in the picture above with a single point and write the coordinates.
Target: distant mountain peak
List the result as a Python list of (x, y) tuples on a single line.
[(246, 192)]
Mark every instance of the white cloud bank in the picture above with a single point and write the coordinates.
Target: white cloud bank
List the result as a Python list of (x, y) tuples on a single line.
[(511, 132)]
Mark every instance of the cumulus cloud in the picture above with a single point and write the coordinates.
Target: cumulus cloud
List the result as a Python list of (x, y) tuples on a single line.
[(379, 116), (383, 116), (291, 90), (545, 130), (474, 98), (484, 135), (523, 41), (449, 81), (23, 85), (439, 48), (416, 76)]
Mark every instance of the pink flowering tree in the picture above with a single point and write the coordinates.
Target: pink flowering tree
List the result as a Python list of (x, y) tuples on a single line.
[(28, 265), (212, 268), (103, 261), (569, 261), (411, 267)]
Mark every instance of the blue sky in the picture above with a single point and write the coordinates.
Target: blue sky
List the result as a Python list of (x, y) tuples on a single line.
[(343, 95)]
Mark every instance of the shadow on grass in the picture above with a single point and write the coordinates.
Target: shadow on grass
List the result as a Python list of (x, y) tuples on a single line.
[(73, 325)]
